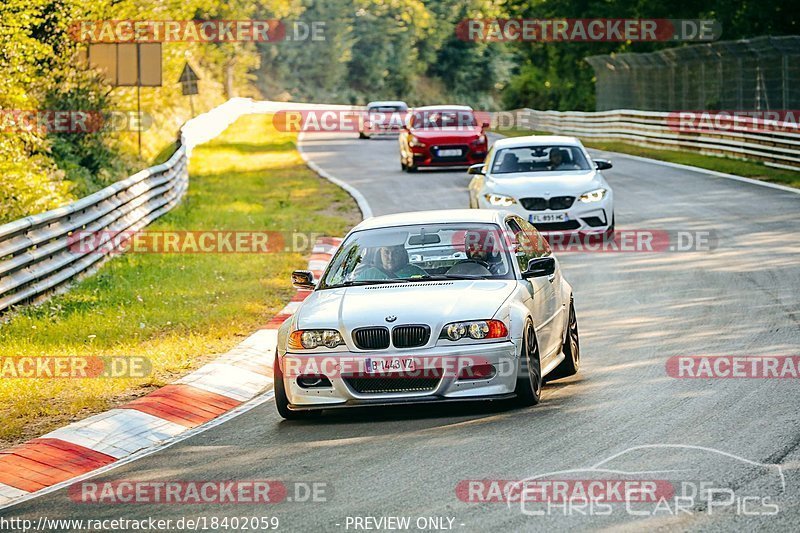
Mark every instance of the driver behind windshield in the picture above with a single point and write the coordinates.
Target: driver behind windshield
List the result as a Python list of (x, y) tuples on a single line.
[(559, 160), (392, 263), (481, 248)]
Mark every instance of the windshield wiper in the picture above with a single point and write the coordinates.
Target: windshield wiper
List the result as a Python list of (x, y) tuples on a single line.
[(357, 282), (442, 277)]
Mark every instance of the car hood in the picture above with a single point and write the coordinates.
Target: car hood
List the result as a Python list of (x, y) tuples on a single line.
[(433, 303), (522, 184)]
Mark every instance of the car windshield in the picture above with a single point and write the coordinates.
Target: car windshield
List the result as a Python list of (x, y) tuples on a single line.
[(386, 109), (539, 159), (420, 253), (439, 118)]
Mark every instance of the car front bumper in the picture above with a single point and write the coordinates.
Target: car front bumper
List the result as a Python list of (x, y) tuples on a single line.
[(427, 156), (584, 218), (342, 392)]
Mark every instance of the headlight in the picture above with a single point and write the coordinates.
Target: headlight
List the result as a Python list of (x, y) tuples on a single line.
[(415, 142), (475, 329), (499, 199), (480, 140), (308, 339), (593, 196)]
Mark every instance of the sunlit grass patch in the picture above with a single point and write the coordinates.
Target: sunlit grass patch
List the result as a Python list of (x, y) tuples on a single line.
[(179, 310)]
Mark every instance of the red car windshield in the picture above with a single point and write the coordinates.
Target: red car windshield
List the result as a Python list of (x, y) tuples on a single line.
[(436, 119)]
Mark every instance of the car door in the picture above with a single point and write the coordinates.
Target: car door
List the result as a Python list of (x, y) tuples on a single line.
[(547, 290)]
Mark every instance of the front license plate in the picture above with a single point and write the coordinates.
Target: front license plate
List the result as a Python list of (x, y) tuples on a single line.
[(549, 217), (449, 153), (389, 364)]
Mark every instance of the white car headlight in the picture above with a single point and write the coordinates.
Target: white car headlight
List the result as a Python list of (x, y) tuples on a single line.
[(593, 196), (499, 199), (308, 339), (475, 329)]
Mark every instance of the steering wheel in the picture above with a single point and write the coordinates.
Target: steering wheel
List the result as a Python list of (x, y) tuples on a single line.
[(484, 264), (388, 274)]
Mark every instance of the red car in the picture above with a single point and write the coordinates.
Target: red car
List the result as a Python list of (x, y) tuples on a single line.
[(442, 136)]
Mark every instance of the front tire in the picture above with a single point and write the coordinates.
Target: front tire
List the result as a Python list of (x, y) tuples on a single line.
[(571, 348), (529, 382), (281, 401)]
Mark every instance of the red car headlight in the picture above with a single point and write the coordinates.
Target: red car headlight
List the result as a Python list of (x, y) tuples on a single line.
[(479, 141), (414, 142)]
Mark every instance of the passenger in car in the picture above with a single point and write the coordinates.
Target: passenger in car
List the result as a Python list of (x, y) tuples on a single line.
[(392, 263)]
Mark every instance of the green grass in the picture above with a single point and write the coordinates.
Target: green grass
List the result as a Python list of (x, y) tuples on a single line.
[(164, 155), (179, 310), (748, 169)]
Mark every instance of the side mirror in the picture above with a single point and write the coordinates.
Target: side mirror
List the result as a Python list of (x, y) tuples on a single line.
[(540, 266), (303, 279), (602, 164), (485, 125), (476, 169)]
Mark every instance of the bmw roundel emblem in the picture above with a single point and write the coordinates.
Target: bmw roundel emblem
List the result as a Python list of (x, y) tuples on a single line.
[(391, 318)]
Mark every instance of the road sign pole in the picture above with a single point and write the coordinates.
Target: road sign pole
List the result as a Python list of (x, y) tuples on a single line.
[(139, 94)]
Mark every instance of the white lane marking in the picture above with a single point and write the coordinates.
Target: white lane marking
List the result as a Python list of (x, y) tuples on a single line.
[(679, 166), (118, 432), (233, 413), (317, 264), (363, 204), (8, 493), (324, 248)]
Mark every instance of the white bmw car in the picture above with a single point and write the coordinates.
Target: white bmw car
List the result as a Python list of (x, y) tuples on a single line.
[(550, 181), (432, 306)]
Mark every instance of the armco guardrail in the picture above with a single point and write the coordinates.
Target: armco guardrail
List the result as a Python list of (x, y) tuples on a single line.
[(35, 252), (777, 144)]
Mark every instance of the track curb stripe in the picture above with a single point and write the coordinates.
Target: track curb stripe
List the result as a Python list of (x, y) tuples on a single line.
[(197, 398)]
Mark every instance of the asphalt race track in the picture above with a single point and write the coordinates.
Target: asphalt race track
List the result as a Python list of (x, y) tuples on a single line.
[(635, 311)]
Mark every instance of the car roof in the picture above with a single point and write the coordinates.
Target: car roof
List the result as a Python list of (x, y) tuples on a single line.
[(443, 216), (536, 140), (444, 107), (381, 103)]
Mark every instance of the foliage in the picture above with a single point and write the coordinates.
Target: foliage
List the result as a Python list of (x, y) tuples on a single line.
[(372, 49)]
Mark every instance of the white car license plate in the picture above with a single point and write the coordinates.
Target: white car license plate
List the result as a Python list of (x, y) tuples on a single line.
[(548, 217), (389, 364), (449, 153)]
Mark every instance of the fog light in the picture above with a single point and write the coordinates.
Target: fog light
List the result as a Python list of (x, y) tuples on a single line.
[(485, 371), (313, 381)]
